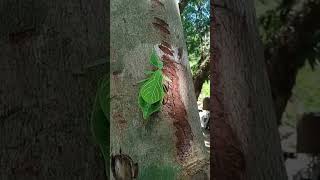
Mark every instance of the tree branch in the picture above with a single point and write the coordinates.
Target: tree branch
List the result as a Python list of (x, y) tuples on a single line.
[(182, 5), (201, 75)]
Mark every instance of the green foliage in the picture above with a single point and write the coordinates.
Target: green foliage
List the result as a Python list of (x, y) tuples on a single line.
[(152, 91), (196, 21), (306, 95), (100, 120), (276, 17), (269, 19), (269, 24), (307, 89), (262, 6)]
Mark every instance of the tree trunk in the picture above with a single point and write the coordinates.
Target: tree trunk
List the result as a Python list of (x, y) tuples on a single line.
[(46, 97), (246, 143), (171, 139)]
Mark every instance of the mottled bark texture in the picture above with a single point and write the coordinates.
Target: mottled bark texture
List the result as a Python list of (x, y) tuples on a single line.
[(246, 143), (46, 96), (171, 138)]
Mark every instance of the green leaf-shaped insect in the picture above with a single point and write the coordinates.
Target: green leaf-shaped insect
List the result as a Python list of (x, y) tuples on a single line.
[(152, 91)]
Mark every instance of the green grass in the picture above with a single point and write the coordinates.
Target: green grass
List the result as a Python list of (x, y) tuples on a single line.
[(205, 91), (308, 88), (306, 95)]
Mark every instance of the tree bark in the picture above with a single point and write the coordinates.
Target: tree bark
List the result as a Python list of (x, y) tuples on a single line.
[(171, 138), (46, 97), (246, 143)]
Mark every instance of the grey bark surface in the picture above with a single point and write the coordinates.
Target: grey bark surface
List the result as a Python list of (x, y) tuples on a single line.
[(136, 28), (46, 96), (246, 143)]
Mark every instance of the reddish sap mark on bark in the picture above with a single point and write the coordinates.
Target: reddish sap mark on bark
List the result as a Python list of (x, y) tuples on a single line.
[(119, 120), (177, 111), (166, 44), (166, 50), (161, 27), (158, 3), (161, 21)]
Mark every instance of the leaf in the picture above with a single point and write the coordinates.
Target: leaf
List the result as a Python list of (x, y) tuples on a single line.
[(152, 90), (104, 98), (155, 61), (100, 120)]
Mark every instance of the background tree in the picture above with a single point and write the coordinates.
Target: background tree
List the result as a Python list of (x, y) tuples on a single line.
[(246, 143), (290, 34), (289, 31)]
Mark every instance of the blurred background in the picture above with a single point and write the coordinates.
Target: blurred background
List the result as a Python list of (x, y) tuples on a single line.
[(195, 15), (289, 31)]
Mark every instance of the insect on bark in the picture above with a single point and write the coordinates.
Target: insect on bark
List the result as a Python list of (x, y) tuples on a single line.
[(153, 90)]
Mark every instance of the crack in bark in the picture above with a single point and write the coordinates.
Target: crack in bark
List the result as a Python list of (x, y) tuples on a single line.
[(161, 27), (166, 50)]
